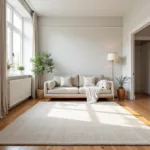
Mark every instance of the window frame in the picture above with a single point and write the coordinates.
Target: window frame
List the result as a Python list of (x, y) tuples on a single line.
[(11, 26)]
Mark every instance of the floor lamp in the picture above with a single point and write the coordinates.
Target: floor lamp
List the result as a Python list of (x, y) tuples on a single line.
[(113, 57)]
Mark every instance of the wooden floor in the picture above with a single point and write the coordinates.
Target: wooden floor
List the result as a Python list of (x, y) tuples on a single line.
[(139, 108)]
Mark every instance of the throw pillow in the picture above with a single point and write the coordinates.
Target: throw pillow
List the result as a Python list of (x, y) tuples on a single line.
[(104, 84), (89, 81), (65, 82), (51, 84), (107, 85)]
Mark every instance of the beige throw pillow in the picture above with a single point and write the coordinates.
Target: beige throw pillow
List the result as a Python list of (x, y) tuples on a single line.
[(51, 84), (104, 84), (89, 81), (65, 82), (107, 85)]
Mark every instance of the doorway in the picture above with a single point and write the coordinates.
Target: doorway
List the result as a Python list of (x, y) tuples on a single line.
[(142, 62)]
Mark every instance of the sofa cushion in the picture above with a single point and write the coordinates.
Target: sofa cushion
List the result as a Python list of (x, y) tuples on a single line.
[(64, 90), (65, 82), (89, 81), (104, 84), (82, 90), (74, 80), (97, 78), (51, 84)]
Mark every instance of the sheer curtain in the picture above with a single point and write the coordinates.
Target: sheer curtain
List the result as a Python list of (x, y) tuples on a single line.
[(35, 52), (3, 66)]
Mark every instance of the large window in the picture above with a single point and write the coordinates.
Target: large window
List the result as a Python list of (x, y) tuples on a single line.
[(14, 37)]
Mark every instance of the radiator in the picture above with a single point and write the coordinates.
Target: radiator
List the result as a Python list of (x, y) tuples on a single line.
[(19, 90)]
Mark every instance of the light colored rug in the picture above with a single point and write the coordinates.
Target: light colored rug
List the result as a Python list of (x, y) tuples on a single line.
[(76, 123)]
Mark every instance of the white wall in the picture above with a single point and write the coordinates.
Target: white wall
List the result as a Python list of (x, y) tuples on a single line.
[(80, 45), (139, 16)]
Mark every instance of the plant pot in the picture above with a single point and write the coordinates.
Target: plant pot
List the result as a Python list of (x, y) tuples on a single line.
[(121, 93), (40, 93), (21, 72)]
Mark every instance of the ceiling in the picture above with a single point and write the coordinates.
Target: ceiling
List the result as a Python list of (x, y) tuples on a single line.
[(18, 7), (83, 8), (144, 32), (138, 43)]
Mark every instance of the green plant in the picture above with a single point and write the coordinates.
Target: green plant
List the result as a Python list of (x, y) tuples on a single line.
[(42, 63), (122, 80), (20, 68), (9, 66)]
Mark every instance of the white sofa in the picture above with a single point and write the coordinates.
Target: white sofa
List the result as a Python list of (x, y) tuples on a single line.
[(77, 90)]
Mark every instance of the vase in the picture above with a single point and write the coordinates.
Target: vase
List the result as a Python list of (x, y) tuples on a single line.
[(21, 72), (121, 94), (40, 93)]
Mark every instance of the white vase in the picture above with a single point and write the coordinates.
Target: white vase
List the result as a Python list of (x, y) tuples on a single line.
[(21, 72)]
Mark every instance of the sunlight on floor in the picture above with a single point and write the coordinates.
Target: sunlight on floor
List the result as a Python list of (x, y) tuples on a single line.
[(102, 114), (139, 116), (70, 114), (70, 105)]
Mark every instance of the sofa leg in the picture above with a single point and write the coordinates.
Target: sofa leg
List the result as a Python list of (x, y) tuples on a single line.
[(46, 99)]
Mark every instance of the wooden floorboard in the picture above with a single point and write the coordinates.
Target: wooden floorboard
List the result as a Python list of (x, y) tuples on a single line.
[(140, 108), (74, 148)]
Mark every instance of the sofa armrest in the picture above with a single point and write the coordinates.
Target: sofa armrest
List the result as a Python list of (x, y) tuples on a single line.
[(45, 87), (112, 88), (49, 85)]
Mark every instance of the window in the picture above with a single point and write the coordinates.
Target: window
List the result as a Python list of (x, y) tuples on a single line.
[(16, 48), (14, 37), (9, 45), (17, 21), (8, 14)]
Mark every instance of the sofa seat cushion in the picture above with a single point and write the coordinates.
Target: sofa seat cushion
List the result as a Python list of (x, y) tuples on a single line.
[(102, 91), (64, 90)]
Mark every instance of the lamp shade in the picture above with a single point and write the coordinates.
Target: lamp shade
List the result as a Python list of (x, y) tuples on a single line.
[(112, 56)]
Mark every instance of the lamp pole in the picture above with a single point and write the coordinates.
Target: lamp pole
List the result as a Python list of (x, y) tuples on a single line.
[(112, 70), (112, 57)]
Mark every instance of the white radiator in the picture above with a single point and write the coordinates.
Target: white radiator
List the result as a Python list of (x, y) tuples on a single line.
[(19, 90)]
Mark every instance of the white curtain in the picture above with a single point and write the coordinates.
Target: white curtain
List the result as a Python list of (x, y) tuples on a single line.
[(3, 66), (35, 52)]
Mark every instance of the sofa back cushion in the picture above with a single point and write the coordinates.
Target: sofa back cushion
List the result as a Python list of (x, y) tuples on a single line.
[(51, 84), (66, 81), (97, 78), (104, 84), (74, 80), (89, 81)]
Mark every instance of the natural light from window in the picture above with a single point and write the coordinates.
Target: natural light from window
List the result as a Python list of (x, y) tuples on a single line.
[(72, 114), (14, 37), (94, 113)]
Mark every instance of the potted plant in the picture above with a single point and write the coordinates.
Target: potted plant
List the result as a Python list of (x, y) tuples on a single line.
[(9, 66), (42, 63), (121, 91), (20, 68)]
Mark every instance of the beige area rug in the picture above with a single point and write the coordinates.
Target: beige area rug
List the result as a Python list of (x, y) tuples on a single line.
[(76, 123)]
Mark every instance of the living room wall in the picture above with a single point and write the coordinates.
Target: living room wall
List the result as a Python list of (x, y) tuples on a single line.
[(80, 45), (134, 20)]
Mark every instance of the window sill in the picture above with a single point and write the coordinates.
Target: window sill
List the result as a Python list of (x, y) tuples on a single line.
[(18, 76)]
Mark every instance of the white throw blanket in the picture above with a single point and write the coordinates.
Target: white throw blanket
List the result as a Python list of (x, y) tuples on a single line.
[(92, 94)]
